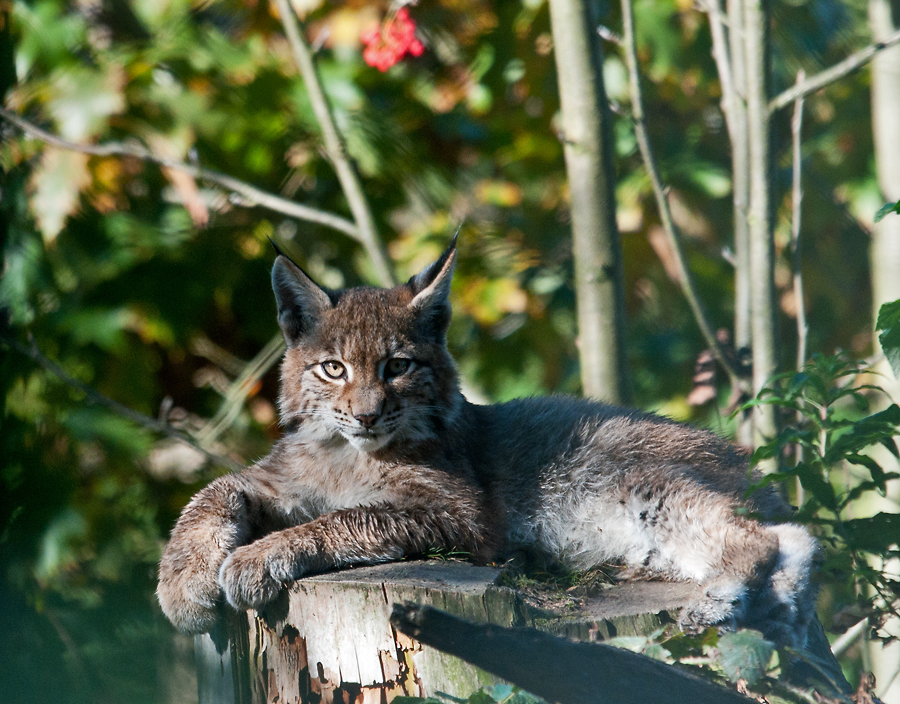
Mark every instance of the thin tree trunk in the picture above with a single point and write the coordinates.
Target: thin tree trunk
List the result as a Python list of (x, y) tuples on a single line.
[(595, 238), (761, 245), (737, 132), (884, 16), (740, 159)]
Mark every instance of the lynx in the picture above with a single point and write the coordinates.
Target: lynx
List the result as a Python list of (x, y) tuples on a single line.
[(382, 457)]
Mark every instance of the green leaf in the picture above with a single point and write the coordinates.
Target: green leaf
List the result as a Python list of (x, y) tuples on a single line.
[(480, 697), (819, 488), (889, 324), (869, 463), (863, 487), (500, 691), (744, 655), (522, 697), (875, 533), (877, 429), (886, 210)]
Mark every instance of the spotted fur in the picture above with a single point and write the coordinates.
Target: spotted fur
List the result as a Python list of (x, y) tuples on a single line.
[(383, 457)]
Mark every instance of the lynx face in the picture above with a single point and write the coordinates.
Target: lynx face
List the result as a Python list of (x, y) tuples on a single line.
[(366, 365)]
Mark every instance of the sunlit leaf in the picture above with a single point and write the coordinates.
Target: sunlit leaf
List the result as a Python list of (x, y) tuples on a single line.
[(83, 99), (57, 184)]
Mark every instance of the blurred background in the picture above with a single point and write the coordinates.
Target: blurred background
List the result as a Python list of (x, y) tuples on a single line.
[(151, 287)]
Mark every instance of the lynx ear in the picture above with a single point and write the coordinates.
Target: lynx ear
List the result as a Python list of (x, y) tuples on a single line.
[(431, 290), (300, 300)]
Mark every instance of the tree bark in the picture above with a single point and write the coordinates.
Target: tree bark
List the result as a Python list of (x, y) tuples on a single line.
[(586, 126), (740, 156), (884, 17), (761, 244)]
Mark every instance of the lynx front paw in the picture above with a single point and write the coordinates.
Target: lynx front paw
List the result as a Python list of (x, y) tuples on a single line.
[(188, 600), (253, 575)]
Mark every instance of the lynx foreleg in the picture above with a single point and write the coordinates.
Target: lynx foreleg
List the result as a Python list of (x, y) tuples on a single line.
[(213, 524), (254, 574)]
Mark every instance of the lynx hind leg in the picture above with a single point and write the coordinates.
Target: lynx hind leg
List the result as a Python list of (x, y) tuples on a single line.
[(785, 606), (209, 528), (766, 584), (746, 556)]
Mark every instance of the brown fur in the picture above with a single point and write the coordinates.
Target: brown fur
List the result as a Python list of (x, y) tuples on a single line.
[(390, 460)]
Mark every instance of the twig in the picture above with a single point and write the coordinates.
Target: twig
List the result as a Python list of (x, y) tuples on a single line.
[(684, 278), (93, 396), (804, 694), (240, 389), (253, 195), (835, 73), (720, 55), (849, 637), (335, 148)]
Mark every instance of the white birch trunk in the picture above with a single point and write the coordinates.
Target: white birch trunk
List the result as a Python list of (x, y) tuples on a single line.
[(884, 17)]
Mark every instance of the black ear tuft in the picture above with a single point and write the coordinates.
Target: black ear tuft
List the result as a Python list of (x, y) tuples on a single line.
[(427, 276), (300, 300), (278, 252), (431, 290)]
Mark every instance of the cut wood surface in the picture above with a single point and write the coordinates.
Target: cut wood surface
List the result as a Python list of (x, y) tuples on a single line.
[(329, 640)]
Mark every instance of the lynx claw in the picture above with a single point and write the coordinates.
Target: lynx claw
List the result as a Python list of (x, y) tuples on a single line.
[(247, 579)]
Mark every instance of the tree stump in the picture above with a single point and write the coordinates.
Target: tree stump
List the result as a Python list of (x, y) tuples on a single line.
[(328, 639)]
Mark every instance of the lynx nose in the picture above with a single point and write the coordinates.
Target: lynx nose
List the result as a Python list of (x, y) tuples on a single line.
[(367, 420)]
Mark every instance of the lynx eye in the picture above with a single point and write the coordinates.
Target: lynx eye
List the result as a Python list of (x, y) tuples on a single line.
[(334, 370), (396, 366)]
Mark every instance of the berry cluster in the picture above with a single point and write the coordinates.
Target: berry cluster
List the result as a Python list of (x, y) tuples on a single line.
[(389, 42)]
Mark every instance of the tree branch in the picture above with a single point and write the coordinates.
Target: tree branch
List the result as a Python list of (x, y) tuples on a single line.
[(796, 201), (796, 212), (721, 56), (335, 149), (93, 396), (252, 195), (684, 274), (833, 74)]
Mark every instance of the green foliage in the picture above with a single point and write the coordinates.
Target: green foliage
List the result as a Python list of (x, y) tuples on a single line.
[(886, 210), (726, 659), (154, 289), (829, 455), (744, 655), (888, 323), (498, 694)]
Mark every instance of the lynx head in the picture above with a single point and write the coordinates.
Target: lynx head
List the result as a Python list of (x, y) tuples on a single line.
[(368, 365)]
